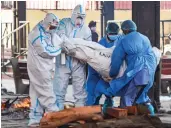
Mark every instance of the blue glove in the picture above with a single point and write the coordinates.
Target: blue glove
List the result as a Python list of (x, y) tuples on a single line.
[(108, 103)]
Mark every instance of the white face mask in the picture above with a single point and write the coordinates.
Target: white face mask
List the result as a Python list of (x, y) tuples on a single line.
[(93, 29)]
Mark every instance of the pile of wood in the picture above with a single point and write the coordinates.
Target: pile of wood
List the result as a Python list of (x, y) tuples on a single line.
[(93, 114), (55, 119)]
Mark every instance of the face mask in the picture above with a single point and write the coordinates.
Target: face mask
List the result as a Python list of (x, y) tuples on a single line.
[(113, 37)]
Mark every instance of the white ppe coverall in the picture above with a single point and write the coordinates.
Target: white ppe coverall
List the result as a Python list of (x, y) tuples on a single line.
[(41, 52), (73, 67)]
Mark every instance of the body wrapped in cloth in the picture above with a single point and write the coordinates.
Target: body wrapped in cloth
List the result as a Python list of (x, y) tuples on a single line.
[(97, 56)]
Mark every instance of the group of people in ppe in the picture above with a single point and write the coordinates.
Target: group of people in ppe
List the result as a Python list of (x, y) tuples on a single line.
[(48, 94)]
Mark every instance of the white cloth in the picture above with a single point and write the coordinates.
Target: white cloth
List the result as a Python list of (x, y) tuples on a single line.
[(97, 56), (158, 54)]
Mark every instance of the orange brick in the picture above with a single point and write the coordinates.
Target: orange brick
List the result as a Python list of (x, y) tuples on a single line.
[(117, 112), (132, 110)]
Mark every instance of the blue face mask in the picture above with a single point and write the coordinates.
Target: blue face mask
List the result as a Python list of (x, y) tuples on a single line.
[(113, 37)]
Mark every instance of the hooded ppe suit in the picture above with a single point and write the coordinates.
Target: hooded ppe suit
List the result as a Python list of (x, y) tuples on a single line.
[(41, 52), (94, 80), (136, 49), (73, 67)]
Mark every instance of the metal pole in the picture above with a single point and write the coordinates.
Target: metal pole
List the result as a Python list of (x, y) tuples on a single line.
[(101, 19), (1, 30), (21, 17), (11, 36), (163, 36), (15, 26), (108, 12), (157, 85)]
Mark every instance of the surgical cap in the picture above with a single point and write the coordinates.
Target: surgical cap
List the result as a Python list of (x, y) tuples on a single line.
[(112, 27), (129, 25)]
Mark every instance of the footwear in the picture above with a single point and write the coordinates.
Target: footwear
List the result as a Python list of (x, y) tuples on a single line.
[(151, 109), (108, 103)]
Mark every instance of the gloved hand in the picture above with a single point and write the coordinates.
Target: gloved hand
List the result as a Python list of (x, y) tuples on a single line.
[(107, 79), (108, 103)]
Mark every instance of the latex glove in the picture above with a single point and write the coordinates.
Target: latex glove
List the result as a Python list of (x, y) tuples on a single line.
[(107, 79)]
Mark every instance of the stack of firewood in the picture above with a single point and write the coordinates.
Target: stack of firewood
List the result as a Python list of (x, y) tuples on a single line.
[(94, 114), (55, 119)]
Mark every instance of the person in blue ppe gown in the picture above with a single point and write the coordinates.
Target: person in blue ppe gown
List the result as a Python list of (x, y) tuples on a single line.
[(94, 80), (67, 66), (41, 51), (138, 78)]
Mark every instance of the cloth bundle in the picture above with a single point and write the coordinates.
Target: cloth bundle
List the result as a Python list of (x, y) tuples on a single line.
[(97, 56)]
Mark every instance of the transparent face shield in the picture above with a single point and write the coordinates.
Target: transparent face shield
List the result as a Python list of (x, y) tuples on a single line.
[(54, 25), (79, 21)]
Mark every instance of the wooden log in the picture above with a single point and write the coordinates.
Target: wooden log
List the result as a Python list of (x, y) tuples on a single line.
[(71, 111), (59, 122), (55, 119)]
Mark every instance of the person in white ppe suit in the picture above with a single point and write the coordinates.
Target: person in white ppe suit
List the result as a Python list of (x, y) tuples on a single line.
[(73, 27), (41, 52)]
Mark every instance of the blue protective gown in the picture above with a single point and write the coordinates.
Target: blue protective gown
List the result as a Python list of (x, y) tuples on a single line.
[(94, 80), (136, 49)]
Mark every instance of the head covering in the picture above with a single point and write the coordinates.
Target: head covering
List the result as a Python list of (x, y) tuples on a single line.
[(92, 24), (50, 19), (78, 11), (129, 25), (112, 27)]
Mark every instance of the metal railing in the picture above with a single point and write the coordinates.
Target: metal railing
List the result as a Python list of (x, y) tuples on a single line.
[(6, 28), (163, 35), (18, 45)]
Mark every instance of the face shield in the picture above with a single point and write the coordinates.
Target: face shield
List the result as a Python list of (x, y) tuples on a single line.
[(54, 24), (78, 21), (78, 16), (50, 22)]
